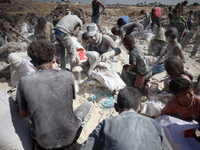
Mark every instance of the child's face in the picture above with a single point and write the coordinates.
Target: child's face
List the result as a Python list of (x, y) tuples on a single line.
[(185, 97), (86, 41), (175, 15), (170, 40)]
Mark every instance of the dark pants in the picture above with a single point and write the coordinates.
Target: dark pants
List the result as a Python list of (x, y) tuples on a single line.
[(157, 21), (189, 23)]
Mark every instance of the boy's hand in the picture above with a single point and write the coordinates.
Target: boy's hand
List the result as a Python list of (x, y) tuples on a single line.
[(104, 57)]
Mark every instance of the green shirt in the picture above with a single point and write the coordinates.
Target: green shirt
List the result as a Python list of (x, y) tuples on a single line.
[(180, 19), (148, 17)]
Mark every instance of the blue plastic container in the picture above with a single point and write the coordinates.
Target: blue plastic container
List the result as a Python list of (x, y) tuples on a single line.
[(158, 69)]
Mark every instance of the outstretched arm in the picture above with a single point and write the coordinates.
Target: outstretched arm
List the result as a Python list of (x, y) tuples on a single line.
[(161, 56), (76, 31), (132, 65)]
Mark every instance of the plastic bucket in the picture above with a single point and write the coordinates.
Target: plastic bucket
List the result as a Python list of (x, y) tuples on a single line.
[(158, 69)]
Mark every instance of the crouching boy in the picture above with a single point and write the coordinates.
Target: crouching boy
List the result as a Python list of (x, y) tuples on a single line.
[(138, 63)]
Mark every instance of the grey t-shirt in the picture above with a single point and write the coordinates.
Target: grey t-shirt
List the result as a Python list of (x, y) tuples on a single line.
[(68, 23), (142, 66), (48, 97), (129, 27)]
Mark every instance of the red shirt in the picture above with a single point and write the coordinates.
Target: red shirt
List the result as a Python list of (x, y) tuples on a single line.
[(156, 12), (186, 113)]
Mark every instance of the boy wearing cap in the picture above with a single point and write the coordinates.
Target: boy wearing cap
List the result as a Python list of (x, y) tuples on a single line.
[(64, 29), (128, 130), (102, 47), (43, 28)]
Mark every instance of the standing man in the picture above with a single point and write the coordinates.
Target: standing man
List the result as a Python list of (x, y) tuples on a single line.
[(156, 13), (95, 11), (64, 29), (180, 7)]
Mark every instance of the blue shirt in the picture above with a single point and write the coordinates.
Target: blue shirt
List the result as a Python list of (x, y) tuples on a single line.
[(125, 18), (127, 131)]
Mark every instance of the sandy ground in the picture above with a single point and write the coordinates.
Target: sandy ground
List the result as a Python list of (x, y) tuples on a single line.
[(92, 88)]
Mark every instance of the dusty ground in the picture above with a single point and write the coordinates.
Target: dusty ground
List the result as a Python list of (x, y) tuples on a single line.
[(108, 20)]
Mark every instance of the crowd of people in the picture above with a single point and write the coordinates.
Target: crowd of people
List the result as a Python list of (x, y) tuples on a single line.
[(44, 98)]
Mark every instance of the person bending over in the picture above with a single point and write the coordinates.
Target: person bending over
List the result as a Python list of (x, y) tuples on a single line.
[(46, 97), (127, 29), (102, 48)]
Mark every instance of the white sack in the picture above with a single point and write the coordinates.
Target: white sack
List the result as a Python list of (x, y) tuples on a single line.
[(174, 131), (147, 35), (152, 108), (26, 67), (106, 76)]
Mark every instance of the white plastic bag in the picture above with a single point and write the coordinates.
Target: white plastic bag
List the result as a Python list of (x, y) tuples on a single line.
[(174, 129), (24, 28), (152, 108), (151, 60), (106, 76), (16, 58), (147, 35), (26, 67)]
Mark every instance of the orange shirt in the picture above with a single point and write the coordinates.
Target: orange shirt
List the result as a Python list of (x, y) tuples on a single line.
[(186, 113)]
